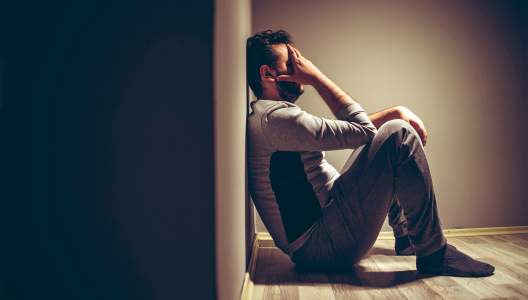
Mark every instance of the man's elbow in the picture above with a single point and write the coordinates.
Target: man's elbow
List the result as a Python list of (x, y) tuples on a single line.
[(370, 132)]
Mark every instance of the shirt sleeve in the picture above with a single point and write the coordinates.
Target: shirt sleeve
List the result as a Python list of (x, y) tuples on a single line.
[(289, 128)]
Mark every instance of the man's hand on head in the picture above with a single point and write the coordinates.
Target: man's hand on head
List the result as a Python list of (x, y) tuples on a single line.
[(303, 70), (407, 115)]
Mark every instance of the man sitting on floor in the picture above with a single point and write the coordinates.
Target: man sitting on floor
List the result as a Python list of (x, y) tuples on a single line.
[(322, 219)]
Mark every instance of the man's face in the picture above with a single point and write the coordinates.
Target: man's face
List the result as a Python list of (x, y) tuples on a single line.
[(288, 91)]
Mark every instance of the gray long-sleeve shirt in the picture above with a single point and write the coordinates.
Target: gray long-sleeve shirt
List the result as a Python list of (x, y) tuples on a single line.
[(289, 177)]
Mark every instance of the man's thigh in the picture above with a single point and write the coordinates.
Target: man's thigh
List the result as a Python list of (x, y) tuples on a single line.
[(318, 252), (363, 194), (367, 186)]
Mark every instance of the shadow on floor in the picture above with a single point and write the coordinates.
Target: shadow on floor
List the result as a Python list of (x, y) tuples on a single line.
[(277, 268), (381, 251)]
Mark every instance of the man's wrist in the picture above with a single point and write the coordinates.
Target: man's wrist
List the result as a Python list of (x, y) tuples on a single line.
[(391, 113), (318, 79), (400, 112)]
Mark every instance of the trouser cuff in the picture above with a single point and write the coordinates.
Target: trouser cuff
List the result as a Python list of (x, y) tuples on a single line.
[(430, 245)]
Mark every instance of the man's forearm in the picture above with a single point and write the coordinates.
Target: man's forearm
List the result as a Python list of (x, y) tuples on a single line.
[(305, 72), (333, 95), (336, 98), (380, 117)]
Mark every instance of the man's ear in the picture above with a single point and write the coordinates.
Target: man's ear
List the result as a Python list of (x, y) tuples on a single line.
[(267, 73)]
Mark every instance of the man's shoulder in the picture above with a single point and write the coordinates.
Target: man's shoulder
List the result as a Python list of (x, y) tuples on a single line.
[(265, 105), (274, 108)]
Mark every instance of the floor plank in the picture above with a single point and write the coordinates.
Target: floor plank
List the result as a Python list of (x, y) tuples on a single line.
[(382, 275)]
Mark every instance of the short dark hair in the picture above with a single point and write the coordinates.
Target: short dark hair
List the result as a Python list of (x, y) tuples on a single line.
[(259, 52)]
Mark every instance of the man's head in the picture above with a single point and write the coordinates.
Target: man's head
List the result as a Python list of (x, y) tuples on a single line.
[(267, 57)]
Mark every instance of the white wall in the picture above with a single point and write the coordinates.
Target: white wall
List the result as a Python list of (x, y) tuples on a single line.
[(232, 27), (456, 64)]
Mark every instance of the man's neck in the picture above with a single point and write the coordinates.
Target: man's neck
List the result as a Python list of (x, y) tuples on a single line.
[(270, 96)]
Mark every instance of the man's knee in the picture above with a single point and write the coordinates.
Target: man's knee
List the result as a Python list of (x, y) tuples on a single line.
[(393, 135), (399, 132), (395, 125)]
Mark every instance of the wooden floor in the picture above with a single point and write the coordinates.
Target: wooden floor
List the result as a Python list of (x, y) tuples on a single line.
[(382, 275)]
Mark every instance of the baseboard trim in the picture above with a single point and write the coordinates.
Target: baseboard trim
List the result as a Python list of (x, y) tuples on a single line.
[(456, 232), (264, 240)]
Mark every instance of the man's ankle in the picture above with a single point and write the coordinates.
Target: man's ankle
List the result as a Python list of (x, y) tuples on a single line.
[(403, 246), (435, 255)]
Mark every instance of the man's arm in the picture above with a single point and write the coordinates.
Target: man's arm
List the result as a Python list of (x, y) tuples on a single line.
[(339, 102), (305, 72), (400, 112), (379, 118), (288, 128)]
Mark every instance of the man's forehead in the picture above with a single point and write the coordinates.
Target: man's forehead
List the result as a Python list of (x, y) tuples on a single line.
[(281, 50)]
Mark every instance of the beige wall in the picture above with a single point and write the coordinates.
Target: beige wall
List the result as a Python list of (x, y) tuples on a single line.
[(232, 27), (458, 65)]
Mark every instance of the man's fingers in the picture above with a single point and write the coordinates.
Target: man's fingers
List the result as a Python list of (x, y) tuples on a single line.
[(420, 130), (425, 134), (292, 52), (297, 52), (422, 135)]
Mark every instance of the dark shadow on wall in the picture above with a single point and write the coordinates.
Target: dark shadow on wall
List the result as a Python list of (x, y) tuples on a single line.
[(524, 24), (108, 166), (1, 80), (3, 173)]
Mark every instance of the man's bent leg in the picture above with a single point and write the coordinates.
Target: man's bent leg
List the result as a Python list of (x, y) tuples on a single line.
[(365, 191), (395, 162)]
